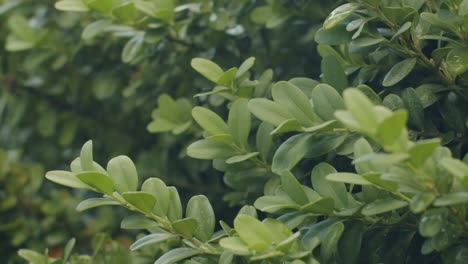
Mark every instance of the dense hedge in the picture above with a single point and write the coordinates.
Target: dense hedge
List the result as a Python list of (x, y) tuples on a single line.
[(342, 122)]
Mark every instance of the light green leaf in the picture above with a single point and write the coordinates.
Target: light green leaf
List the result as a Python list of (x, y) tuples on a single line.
[(151, 239), (209, 121), (273, 204), (289, 125), (339, 14), (336, 191), (103, 6), (125, 11), (291, 152), (269, 111), (227, 78), (210, 149), (253, 232), (175, 206), (297, 103), (138, 222), (95, 202), (292, 187), (391, 128), (361, 108), (71, 5), (347, 177), (165, 10), (176, 255), (66, 178), (330, 241), (382, 206), (264, 140), (97, 180), (239, 121), (95, 28), (124, 174), (86, 156), (235, 245), (185, 227), (323, 205), (133, 47), (245, 67), (399, 71), (141, 200), (421, 202), (158, 189), (33, 257), (240, 158), (199, 208), (326, 101), (452, 199), (422, 150), (207, 68)]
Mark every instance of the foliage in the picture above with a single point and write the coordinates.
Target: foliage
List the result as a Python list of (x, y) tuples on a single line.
[(376, 173)]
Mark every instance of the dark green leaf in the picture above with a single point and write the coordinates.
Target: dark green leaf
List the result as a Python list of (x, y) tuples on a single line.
[(399, 71)]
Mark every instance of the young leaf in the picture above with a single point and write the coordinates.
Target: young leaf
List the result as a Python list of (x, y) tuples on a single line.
[(268, 111), (326, 101), (207, 68), (199, 208), (133, 47), (185, 227), (273, 204), (141, 200), (97, 180), (339, 14), (235, 245), (245, 67), (347, 177), (151, 239), (33, 256), (95, 202), (239, 122), (399, 71), (293, 188), (86, 156), (390, 129), (209, 121), (422, 150), (240, 158), (124, 174), (210, 149), (252, 232), (95, 28), (71, 5), (66, 178), (361, 109)]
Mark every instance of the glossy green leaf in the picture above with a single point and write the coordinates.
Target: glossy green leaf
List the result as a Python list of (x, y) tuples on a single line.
[(290, 125), (133, 47), (207, 68), (199, 208), (273, 204), (94, 29), (269, 111), (86, 156), (292, 98), (320, 206), (264, 140), (151, 239), (175, 205), (421, 202), (361, 108), (334, 190), (415, 108), (124, 174), (235, 245), (141, 200), (125, 11), (210, 149), (66, 178), (138, 222), (399, 71), (103, 6), (239, 122), (98, 181), (382, 206), (339, 14), (291, 152), (431, 222), (292, 187), (452, 199), (245, 67), (240, 158), (95, 202), (333, 73), (158, 189), (209, 121)]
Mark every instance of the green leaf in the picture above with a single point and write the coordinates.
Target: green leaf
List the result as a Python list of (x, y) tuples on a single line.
[(97, 180), (422, 150), (382, 206), (235, 245), (158, 189), (289, 125), (133, 47), (124, 174), (252, 232), (333, 73), (227, 78), (292, 187), (151, 239), (325, 126), (330, 241), (456, 167), (347, 177), (399, 71), (391, 128), (209, 121), (339, 14), (21, 29), (86, 156), (269, 111), (95, 28), (361, 108), (125, 11), (349, 245), (207, 68), (291, 152), (293, 99), (68, 249), (175, 206), (141, 200), (320, 206), (95, 202), (71, 5), (138, 222), (239, 122), (164, 10), (421, 202), (326, 101), (273, 204), (240, 158), (199, 208), (103, 6), (66, 178), (336, 191), (452, 199), (185, 227), (432, 221), (33, 256), (176, 255), (264, 140), (415, 108), (245, 67), (210, 149)]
